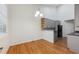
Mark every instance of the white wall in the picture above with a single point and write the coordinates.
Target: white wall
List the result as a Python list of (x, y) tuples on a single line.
[(4, 41), (61, 12), (49, 12), (23, 26), (3, 14), (66, 12), (3, 17)]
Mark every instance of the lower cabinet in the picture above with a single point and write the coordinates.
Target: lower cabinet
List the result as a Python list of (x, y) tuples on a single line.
[(73, 43), (48, 35)]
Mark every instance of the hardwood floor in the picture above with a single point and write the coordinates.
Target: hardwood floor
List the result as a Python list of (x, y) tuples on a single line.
[(40, 47)]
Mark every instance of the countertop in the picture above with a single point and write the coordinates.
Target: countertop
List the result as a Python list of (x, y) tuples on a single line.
[(74, 34), (49, 29)]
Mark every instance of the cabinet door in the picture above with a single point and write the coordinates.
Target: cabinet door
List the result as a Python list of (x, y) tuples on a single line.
[(77, 17), (48, 35), (73, 43)]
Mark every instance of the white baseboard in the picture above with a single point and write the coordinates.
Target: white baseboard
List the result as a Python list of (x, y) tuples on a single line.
[(23, 42), (5, 49)]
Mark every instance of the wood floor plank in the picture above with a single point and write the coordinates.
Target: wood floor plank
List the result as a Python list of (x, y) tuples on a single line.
[(40, 47)]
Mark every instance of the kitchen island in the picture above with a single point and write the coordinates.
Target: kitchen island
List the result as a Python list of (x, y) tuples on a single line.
[(49, 34)]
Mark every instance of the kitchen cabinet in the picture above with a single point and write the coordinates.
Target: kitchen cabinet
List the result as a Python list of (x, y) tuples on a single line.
[(48, 35), (77, 17), (73, 43)]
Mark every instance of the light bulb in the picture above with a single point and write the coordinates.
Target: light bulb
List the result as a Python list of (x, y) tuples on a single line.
[(41, 15), (37, 13)]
